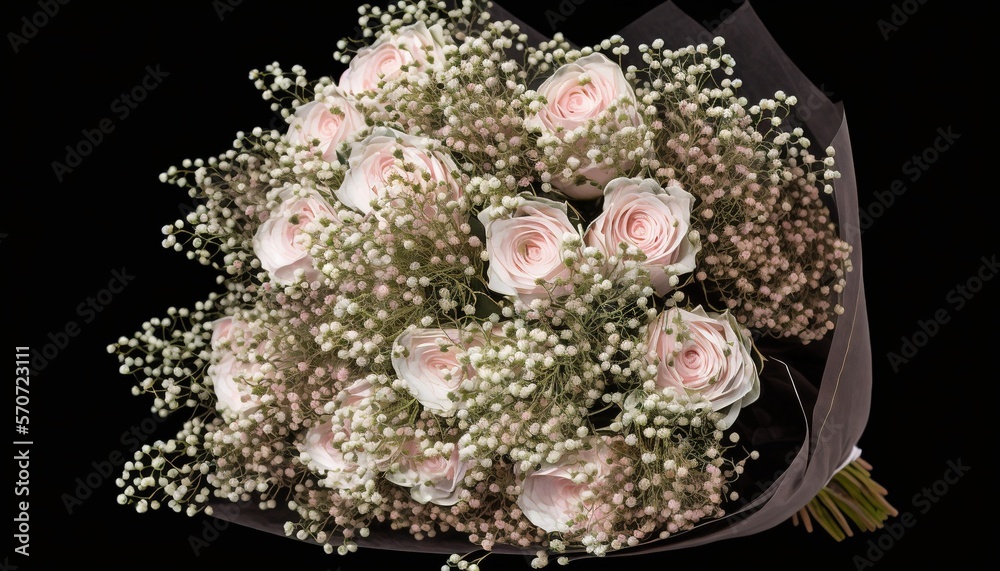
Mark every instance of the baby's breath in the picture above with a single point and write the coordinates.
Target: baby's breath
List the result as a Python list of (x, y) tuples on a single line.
[(320, 420)]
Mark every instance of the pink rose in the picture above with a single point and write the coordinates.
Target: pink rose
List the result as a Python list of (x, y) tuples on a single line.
[(655, 220), (576, 95), (705, 354), (323, 454), (416, 46), (528, 248), (435, 479), (230, 376), (278, 242), (375, 171), (432, 375), (328, 122), (323, 450), (322, 446), (355, 393), (222, 332), (556, 497)]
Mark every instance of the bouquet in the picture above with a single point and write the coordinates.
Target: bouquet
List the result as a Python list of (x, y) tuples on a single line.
[(492, 289)]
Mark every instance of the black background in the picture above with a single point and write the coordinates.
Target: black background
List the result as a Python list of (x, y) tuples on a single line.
[(63, 240)]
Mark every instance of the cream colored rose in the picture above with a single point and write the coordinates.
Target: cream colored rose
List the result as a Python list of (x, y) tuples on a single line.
[(435, 479), (638, 212), (322, 446), (555, 498), (278, 242), (427, 361), (355, 393), (232, 378), (417, 46), (576, 95), (385, 161), (526, 251), (706, 354), (322, 452), (327, 123)]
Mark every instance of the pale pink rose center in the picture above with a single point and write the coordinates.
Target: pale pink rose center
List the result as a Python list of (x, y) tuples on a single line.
[(325, 452), (533, 249), (527, 248), (702, 360), (293, 230), (328, 123), (581, 102), (437, 466), (386, 169), (563, 495), (388, 63), (693, 358), (386, 172), (444, 367), (571, 493), (641, 228), (650, 227), (532, 252)]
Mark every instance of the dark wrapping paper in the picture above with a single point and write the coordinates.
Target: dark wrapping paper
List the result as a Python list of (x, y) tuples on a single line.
[(815, 398)]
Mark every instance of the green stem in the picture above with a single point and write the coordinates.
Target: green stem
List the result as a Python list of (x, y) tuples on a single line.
[(851, 496)]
